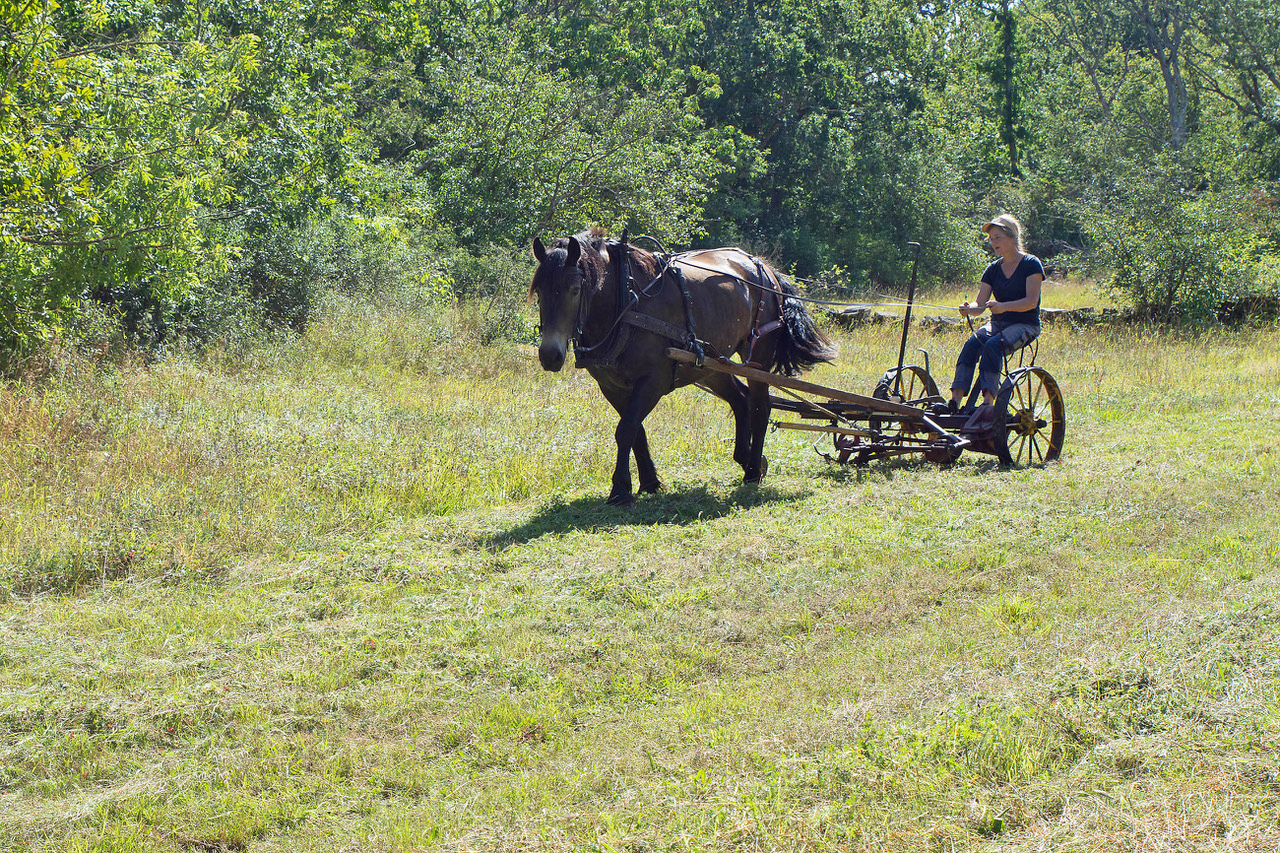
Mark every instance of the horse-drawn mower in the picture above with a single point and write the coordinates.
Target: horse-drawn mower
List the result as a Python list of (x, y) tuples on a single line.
[(903, 415), (645, 323)]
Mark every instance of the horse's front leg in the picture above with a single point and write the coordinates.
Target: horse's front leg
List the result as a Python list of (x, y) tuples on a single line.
[(649, 482), (630, 436), (759, 407)]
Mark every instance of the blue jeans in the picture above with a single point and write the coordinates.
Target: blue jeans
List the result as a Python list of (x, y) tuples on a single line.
[(986, 349)]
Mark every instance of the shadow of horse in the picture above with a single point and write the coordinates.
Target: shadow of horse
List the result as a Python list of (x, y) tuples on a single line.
[(890, 469), (558, 516)]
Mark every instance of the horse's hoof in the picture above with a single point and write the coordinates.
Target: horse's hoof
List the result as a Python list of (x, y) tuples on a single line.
[(624, 499), (764, 469), (651, 488)]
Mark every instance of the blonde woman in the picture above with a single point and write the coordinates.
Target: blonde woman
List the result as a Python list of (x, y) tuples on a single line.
[(1010, 290)]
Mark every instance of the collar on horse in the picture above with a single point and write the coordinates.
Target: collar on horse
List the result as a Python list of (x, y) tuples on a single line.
[(605, 353)]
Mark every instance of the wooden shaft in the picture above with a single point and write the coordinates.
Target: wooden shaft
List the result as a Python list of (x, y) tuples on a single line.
[(833, 430), (884, 406)]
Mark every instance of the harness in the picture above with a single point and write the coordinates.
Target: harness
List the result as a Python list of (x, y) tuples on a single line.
[(629, 315)]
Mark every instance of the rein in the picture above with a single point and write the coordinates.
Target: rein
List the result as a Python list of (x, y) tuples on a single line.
[(580, 348), (612, 340), (630, 296), (885, 301)]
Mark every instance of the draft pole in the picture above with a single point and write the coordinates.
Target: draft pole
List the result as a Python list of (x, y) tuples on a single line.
[(906, 323)]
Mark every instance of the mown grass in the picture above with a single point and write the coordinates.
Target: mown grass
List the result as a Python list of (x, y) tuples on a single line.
[(359, 592)]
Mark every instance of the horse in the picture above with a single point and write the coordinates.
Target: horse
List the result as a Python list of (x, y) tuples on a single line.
[(622, 306)]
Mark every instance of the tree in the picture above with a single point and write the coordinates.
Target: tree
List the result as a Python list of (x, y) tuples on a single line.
[(111, 137), (832, 162), (1109, 40), (1241, 58), (1164, 25), (519, 147), (1001, 67)]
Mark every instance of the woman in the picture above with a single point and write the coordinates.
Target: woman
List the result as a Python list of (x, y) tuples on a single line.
[(1010, 290)]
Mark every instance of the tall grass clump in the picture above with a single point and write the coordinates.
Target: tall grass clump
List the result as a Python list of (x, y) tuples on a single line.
[(361, 400)]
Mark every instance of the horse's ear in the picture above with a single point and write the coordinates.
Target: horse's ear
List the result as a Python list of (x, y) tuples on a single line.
[(575, 252), (539, 250)]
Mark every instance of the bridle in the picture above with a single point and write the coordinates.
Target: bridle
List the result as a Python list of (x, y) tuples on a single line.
[(560, 290)]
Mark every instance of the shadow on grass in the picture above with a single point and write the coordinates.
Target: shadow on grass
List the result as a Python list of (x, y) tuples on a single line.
[(686, 506), (889, 469)]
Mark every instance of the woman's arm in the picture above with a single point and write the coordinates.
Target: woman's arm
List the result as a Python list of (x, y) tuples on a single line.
[(1026, 303), (973, 309)]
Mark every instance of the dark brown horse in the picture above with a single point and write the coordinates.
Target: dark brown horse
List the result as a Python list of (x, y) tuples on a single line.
[(719, 302)]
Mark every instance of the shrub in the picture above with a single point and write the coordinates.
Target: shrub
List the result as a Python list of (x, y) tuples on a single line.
[(492, 284), (284, 272), (1175, 253)]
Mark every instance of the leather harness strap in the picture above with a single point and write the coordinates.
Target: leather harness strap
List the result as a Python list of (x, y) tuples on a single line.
[(606, 351), (652, 324)]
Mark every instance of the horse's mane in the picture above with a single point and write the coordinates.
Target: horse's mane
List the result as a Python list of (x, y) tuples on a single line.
[(594, 241)]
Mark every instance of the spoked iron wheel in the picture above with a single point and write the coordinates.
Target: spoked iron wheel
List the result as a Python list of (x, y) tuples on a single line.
[(915, 388), (916, 384), (1031, 418)]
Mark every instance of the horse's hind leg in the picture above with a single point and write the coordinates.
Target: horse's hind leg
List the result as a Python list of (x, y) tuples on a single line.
[(758, 402)]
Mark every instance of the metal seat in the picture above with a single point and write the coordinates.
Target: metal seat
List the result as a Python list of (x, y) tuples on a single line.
[(1026, 356)]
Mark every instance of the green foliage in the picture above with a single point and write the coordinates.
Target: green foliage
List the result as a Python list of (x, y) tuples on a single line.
[(192, 167), (1000, 65), (287, 272), (110, 140), (523, 148), (833, 167), (1179, 253), (491, 285), (1245, 34)]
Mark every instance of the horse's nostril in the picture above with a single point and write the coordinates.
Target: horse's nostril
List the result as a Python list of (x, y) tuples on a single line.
[(552, 357)]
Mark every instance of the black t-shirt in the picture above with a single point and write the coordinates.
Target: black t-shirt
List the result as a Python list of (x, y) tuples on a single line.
[(1013, 288)]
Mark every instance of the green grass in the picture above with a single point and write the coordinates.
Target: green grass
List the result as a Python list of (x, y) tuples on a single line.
[(359, 591)]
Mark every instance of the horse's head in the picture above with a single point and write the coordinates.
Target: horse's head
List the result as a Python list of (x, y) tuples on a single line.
[(558, 285)]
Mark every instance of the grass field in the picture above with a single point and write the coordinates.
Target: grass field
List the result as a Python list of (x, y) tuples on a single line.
[(359, 591)]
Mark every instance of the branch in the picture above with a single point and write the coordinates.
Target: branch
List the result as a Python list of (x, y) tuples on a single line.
[(45, 241), (120, 45), (112, 164)]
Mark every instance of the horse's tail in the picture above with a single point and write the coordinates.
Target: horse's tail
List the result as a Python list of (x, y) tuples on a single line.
[(801, 343)]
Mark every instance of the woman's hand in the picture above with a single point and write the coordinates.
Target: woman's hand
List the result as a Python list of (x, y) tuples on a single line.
[(995, 307), (970, 309)]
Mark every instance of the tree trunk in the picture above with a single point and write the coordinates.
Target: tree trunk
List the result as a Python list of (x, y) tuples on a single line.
[(1165, 29), (1010, 61)]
